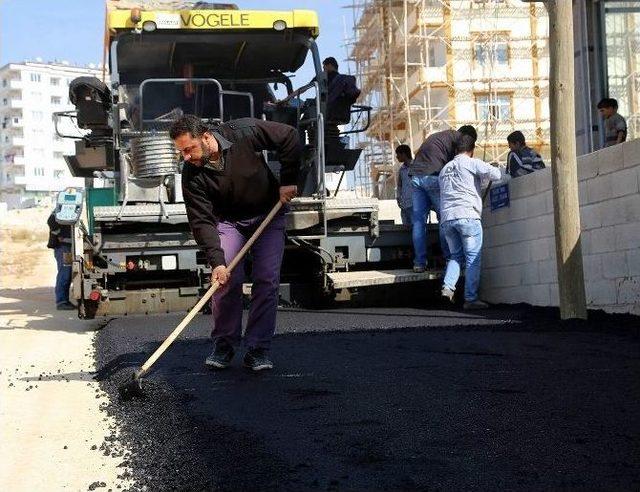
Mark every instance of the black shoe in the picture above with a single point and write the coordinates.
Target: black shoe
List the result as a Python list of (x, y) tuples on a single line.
[(221, 356), (257, 359), (65, 306), (474, 305)]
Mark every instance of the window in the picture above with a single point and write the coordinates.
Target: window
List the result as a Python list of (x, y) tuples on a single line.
[(16, 120), (432, 54), (37, 115), (5, 101), (38, 171), (55, 81), (35, 77), (56, 100), (36, 96), (4, 82), (493, 107), (58, 173), (492, 52), (58, 155)]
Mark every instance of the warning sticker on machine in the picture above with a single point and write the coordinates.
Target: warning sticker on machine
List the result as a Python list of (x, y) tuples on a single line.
[(168, 21)]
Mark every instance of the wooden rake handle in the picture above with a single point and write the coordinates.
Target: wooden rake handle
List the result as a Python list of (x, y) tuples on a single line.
[(175, 333)]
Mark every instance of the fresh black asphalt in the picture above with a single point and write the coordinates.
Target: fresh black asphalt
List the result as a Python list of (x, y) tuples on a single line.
[(385, 399)]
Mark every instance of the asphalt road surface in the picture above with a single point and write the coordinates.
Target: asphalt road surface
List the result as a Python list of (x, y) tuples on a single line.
[(385, 399)]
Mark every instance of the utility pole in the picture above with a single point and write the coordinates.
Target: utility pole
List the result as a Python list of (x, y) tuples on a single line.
[(566, 206)]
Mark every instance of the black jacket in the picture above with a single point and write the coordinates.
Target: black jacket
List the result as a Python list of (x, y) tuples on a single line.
[(244, 187), (58, 234), (437, 150)]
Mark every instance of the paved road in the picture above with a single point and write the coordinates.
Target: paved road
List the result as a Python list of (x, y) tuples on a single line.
[(387, 399)]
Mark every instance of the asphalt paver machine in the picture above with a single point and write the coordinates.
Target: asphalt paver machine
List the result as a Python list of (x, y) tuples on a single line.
[(165, 58)]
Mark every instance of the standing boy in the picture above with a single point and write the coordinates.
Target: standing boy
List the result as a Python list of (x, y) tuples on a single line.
[(615, 126), (460, 212), (404, 188)]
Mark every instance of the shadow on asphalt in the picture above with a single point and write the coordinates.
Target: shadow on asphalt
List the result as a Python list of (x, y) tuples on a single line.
[(411, 408)]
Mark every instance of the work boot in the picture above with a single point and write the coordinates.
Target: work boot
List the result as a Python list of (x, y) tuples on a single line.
[(447, 293), (221, 356), (257, 359), (477, 304), (419, 269), (65, 306)]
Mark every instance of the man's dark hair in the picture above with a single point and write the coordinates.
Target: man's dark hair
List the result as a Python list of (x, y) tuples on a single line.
[(465, 143), (608, 102), (188, 123), (330, 61), (404, 149), (516, 137), (469, 130)]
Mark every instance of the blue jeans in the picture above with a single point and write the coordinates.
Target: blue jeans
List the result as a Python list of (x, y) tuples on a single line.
[(406, 214), (426, 197), (464, 238), (63, 278)]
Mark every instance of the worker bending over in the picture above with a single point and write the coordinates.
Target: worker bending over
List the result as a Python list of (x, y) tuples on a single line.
[(438, 149), (228, 191)]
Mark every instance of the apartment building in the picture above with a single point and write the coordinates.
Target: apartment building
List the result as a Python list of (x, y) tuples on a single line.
[(429, 65), (32, 166)]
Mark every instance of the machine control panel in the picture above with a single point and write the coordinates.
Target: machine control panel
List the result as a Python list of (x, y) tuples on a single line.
[(69, 206)]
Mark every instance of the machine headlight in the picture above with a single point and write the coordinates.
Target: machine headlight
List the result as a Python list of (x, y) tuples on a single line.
[(149, 26), (280, 25)]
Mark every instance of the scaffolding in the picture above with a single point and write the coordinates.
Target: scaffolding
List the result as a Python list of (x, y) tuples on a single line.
[(430, 65)]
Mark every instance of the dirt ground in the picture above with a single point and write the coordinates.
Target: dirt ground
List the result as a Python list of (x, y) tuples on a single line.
[(25, 261), (52, 427)]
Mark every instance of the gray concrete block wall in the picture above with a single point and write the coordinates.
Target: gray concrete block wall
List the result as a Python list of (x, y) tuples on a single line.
[(519, 259)]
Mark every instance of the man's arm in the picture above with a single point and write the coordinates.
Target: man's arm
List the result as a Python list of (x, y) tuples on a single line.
[(516, 166), (537, 162), (203, 222), (621, 127), (399, 186), (512, 164), (284, 139), (484, 170), (54, 227)]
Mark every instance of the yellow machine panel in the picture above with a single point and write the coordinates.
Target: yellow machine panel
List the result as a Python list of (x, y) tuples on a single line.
[(216, 19)]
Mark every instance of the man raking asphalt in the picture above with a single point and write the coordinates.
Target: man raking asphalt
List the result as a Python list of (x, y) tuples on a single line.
[(133, 387), (228, 191)]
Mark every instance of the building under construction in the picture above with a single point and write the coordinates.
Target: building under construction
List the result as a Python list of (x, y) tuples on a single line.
[(429, 65)]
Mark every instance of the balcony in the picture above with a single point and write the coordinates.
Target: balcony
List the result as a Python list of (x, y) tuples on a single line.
[(16, 141), (13, 84), (13, 161), (16, 102), (20, 180)]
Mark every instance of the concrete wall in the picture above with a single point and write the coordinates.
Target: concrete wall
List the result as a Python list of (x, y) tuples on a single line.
[(519, 259)]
